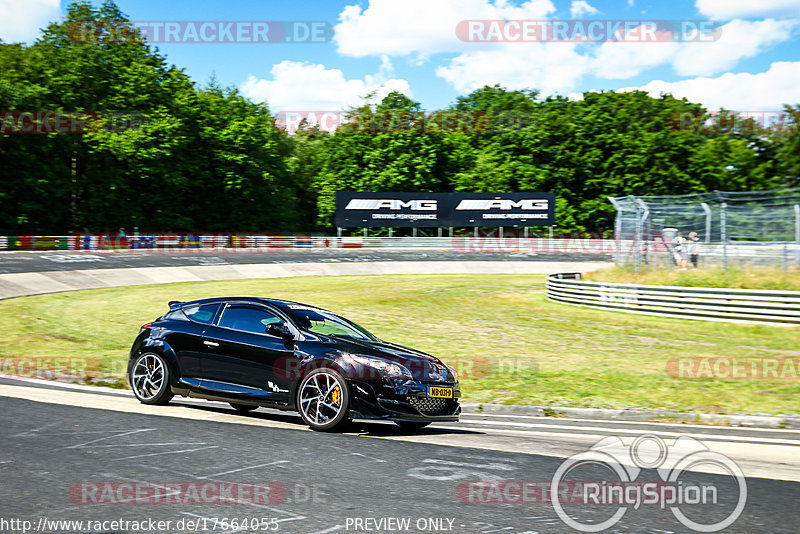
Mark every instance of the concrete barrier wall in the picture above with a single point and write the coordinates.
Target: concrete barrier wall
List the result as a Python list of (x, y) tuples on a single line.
[(23, 284)]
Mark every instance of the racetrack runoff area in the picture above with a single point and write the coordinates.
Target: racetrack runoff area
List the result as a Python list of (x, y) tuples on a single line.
[(510, 345)]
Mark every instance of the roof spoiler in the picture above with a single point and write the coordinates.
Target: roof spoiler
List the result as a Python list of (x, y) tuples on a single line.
[(173, 304)]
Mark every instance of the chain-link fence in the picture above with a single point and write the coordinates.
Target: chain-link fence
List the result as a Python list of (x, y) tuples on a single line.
[(722, 228)]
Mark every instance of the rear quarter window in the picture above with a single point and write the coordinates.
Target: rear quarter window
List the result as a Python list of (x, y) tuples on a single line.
[(201, 314)]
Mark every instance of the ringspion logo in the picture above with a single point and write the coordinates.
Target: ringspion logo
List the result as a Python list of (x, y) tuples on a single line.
[(699, 506)]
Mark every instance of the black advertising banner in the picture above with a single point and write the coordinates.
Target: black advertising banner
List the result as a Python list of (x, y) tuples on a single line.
[(357, 210), (503, 209)]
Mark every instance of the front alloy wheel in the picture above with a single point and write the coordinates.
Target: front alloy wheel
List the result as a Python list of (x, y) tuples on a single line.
[(150, 379), (323, 400)]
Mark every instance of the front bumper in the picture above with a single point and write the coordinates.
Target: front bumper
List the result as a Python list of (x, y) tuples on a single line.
[(402, 400)]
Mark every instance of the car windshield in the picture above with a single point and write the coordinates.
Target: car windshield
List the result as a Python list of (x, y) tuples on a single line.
[(329, 324)]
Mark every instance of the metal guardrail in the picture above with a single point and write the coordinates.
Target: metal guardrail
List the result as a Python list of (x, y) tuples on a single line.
[(699, 303)]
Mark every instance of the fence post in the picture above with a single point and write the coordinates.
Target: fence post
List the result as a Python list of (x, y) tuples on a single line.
[(797, 223), (707, 209), (797, 232), (637, 241), (785, 257), (723, 229), (617, 230)]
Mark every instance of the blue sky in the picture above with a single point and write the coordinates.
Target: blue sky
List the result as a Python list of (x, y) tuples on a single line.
[(411, 46)]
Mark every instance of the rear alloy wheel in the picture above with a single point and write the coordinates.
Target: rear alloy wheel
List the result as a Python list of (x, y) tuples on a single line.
[(243, 408), (323, 400), (150, 379), (412, 425)]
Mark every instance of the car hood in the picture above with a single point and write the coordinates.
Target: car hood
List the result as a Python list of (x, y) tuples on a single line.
[(422, 366)]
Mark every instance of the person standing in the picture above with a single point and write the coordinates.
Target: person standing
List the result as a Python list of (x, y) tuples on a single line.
[(123, 238), (693, 245), (679, 251)]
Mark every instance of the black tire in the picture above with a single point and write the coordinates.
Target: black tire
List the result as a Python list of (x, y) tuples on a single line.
[(318, 415), (412, 425), (242, 408), (150, 379)]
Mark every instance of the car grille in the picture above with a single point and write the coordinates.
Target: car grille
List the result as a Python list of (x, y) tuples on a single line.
[(427, 406)]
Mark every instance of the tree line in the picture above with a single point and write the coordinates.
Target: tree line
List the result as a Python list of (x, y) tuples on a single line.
[(155, 150)]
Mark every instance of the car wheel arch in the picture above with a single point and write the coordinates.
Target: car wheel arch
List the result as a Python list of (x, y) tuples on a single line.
[(166, 352)]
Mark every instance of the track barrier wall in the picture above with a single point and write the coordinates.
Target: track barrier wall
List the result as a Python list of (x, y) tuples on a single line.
[(237, 242), (699, 303)]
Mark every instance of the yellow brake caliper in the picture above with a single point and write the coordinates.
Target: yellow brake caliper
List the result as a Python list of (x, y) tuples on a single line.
[(336, 395)]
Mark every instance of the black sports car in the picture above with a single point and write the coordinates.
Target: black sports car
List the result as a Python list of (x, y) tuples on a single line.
[(253, 352)]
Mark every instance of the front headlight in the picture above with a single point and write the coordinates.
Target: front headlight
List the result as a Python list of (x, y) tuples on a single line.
[(385, 367), (455, 374)]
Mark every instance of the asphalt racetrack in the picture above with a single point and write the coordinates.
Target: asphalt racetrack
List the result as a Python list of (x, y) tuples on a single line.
[(67, 451), (100, 461), (23, 262)]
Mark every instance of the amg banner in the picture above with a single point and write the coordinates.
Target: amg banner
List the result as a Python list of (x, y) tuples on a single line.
[(356, 210)]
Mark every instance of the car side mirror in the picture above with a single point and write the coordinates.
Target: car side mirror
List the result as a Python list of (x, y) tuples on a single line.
[(279, 330)]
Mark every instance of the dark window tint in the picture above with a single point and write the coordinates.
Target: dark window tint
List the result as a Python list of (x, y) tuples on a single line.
[(176, 315), (248, 319), (201, 314)]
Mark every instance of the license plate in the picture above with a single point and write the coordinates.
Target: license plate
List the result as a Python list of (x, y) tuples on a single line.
[(440, 393)]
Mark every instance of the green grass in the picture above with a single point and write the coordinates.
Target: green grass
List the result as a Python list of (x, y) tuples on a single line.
[(750, 278), (509, 343)]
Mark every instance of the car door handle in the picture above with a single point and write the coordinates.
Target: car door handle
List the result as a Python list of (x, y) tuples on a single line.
[(211, 343)]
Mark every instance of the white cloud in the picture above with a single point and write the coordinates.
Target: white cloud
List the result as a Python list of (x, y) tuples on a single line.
[(742, 91), (731, 9), (549, 67), (303, 86), (617, 60), (559, 67), (20, 20), (739, 39), (581, 8), (417, 29), (422, 27)]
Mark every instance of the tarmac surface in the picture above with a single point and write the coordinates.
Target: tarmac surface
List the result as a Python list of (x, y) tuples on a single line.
[(61, 443), (44, 261), (74, 453)]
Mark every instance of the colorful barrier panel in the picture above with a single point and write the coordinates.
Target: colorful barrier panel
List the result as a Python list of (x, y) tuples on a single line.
[(215, 241), (88, 242), (303, 242)]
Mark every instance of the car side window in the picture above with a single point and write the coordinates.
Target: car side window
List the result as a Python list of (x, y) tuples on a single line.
[(248, 319), (202, 314)]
